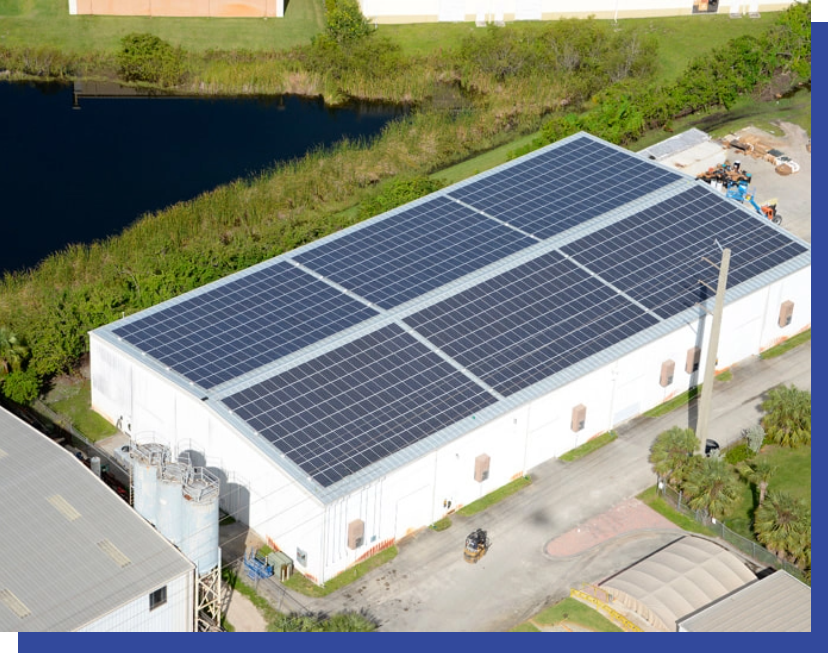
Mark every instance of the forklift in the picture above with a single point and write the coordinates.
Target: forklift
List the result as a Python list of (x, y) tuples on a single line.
[(477, 544)]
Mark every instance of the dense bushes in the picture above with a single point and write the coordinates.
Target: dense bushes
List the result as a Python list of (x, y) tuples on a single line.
[(38, 62), (398, 192), (146, 58)]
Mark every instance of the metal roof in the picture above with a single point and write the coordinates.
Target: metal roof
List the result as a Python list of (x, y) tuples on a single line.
[(675, 144), (71, 550), (212, 397), (778, 603)]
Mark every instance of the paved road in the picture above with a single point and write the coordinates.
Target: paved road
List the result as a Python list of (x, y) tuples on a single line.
[(429, 587)]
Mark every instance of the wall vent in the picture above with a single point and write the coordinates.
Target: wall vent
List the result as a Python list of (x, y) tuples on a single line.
[(356, 534), (578, 418), (481, 467), (693, 360), (786, 313), (668, 369)]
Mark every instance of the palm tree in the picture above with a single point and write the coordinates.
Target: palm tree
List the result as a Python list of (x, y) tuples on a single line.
[(788, 416), (783, 525), (712, 486), (12, 352), (759, 474), (672, 451)]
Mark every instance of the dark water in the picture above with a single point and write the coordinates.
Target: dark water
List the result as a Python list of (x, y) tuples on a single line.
[(71, 175)]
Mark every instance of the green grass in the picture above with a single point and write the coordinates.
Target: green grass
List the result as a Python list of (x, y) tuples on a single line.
[(76, 407), (228, 627), (441, 524), (588, 447), (493, 497), (650, 497), (725, 376), (790, 343), (265, 550), (300, 584), (47, 22), (525, 627), (676, 402), (576, 612), (482, 162)]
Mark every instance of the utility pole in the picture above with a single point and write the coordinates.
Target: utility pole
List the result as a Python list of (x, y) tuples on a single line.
[(705, 404)]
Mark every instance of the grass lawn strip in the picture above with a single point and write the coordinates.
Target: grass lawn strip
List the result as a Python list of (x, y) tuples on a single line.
[(572, 610), (589, 446), (790, 343), (676, 402), (77, 407), (650, 498), (300, 584), (441, 524), (493, 497)]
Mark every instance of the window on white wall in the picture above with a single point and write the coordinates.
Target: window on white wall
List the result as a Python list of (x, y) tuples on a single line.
[(158, 598)]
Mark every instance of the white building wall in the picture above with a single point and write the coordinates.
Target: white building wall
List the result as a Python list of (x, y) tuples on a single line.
[(422, 492), (176, 615), (411, 11), (419, 493)]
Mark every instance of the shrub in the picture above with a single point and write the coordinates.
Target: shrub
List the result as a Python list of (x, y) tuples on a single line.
[(344, 21), (398, 193), (22, 387), (146, 58), (788, 416), (739, 453), (755, 437)]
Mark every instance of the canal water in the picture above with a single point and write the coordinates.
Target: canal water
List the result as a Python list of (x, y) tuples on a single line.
[(78, 164)]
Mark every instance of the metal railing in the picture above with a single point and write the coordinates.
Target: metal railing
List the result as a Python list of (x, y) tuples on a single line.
[(750, 548)]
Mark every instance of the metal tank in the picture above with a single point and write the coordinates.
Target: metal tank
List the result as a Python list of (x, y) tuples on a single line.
[(147, 459), (200, 520), (170, 500)]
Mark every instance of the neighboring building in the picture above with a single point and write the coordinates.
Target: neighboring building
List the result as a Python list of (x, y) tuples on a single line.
[(181, 8), (676, 581), (693, 152), (778, 603), (480, 11), (422, 11), (360, 387), (73, 555)]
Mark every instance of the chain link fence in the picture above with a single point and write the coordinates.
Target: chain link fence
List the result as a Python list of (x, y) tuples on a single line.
[(750, 548)]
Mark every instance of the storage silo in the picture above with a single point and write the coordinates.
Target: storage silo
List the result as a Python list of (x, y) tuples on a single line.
[(147, 458), (200, 520), (170, 500)]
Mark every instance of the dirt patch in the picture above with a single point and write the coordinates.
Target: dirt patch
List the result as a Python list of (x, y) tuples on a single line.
[(243, 615)]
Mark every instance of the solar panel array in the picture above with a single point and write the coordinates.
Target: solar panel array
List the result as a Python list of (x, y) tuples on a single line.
[(564, 187), (537, 319), (240, 326), (656, 256), (359, 403), (412, 252)]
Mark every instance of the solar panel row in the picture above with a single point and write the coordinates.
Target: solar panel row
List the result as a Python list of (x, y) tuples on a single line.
[(564, 187), (240, 326), (657, 256), (410, 253), (364, 401), (522, 326)]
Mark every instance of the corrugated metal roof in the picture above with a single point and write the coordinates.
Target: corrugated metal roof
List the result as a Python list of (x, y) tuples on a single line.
[(65, 537), (778, 603), (675, 144), (681, 578), (211, 398)]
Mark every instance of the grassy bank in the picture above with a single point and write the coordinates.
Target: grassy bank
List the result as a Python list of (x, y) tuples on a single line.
[(789, 344), (568, 611), (302, 585), (47, 22), (588, 447), (494, 497)]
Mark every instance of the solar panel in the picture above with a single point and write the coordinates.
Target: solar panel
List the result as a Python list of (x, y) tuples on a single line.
[(240, 326), (405, 255), (656, 256), (565, 186), (530, 322), (357, 404)]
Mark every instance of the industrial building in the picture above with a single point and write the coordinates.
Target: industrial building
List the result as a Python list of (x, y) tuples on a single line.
[(421, 11), (356, 389), (73, 555)]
